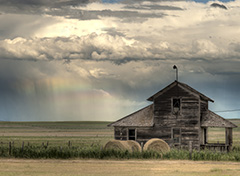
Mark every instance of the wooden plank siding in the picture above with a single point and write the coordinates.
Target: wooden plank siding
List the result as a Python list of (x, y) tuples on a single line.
[(120, 133), (188, 120)]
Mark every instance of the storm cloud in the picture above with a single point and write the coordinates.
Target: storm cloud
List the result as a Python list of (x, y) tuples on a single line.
[(40, 6), (59, 58)]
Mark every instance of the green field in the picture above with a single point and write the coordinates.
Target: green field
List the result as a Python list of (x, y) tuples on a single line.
[(78, 133), (55, 133)]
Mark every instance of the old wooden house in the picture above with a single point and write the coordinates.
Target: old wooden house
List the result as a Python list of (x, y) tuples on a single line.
[(179, 115)]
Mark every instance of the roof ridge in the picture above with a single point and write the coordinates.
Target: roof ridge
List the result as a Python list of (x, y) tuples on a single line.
[(185, 86), (194, 90)]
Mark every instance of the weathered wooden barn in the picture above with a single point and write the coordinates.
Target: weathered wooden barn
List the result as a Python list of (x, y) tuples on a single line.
[(179, 115)]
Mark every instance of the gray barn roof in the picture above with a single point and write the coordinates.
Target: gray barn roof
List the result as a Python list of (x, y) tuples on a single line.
[(141, 118), (213, 120), (144, 118)]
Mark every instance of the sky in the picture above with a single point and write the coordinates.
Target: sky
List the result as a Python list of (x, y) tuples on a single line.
[(93, 60)]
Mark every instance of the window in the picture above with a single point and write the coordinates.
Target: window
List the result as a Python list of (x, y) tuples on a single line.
[(176, 134), (176, 105), (131, 134)]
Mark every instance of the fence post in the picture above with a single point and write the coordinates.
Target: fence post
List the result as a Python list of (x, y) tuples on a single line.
[(141, 146), (10, 148), (69, 144), (22, 146), (190, 150)]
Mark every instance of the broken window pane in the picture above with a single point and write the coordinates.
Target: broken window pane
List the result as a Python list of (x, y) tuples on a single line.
[(176, 105)]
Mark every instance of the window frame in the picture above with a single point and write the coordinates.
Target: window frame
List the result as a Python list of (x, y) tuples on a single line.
[(180, 136), (180, 106), (135, 134)]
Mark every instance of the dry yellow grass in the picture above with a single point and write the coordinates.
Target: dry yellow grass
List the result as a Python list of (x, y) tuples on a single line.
[(112, 167)]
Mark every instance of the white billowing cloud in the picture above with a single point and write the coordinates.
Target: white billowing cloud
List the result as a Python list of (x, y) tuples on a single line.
[(197, 31), (204, 48), (70, 27), (105, 47), (92, 47)]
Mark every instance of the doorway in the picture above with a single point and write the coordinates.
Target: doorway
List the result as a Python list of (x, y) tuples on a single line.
[(131, 134)]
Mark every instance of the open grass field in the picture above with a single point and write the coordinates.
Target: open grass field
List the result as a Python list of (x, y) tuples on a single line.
[(86, 134), (55, 133), (79, 133), (9, 167)]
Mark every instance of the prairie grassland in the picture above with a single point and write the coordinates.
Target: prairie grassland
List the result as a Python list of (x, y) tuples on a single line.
[(79, 133), (55, 133), (18, 167), (88, 133)]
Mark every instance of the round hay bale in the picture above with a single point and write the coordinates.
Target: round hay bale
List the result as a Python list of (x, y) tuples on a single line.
[(131, 146), (126, 145), (135, 146), (116, 145), (157, 145)]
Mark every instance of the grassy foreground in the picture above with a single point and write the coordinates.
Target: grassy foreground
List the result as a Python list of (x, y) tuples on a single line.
[(65, 140), (96, 152), (9, 167)]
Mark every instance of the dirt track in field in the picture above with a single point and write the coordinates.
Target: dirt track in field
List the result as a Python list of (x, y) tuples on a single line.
[(25, 167)]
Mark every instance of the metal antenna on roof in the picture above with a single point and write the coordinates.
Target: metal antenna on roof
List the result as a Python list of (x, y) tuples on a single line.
[(175, 67)]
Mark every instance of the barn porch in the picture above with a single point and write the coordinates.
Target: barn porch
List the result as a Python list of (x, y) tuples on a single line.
[(212, 142), (212, 120)]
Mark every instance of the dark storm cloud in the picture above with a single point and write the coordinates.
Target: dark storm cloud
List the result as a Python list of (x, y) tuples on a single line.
[(152, 7), (114, 56), (235, 47), (96, 14), (45, 3), (135, 1), (114, 32), (38, 6), (23, 95), (123, 14), (217, 5), (62, 8)]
